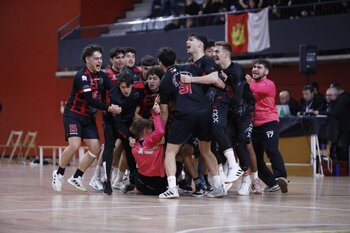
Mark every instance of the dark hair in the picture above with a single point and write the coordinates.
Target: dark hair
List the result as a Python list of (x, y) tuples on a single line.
[(89, 50), (264, 62), (336, 86), (148, 60), (315, 85), (125, 76), (203, 39), (210, 43), (155, 71), (167, 56), (138, 125), (309, 87), (115, 51), (224, 45), (130, 50)]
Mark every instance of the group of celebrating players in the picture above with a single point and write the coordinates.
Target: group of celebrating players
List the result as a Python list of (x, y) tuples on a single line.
[(163, 118)]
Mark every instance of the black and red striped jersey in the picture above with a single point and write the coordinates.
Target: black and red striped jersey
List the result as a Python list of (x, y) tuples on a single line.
[(86, 82), (113, 76), (137, 76), (147, 102)]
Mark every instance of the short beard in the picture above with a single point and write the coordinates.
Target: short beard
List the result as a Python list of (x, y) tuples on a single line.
[(258, 79)]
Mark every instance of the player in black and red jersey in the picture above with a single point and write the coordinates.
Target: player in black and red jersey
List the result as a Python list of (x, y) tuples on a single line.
[(128, 98), (241, 110), (196, 45), (191, 117), (147, 62), (116, 57), (153, 77), (79, 116), (129, 62)]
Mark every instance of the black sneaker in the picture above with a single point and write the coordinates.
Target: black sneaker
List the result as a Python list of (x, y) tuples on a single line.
[(128, 187), (107, 189), (283, 184), (185, 187), (200, 191), (209, 188)]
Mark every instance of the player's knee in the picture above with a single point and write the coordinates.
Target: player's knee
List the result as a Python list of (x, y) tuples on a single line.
[(186, 150), (74, 147)]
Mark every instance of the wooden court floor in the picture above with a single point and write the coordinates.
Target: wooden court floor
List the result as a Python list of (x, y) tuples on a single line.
[(28, 204)]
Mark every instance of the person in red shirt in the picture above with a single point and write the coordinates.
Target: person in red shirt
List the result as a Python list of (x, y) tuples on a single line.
[(265, 134), (148, 152)]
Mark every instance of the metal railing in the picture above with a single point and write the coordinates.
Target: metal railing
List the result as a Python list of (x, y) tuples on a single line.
[(72, 29)]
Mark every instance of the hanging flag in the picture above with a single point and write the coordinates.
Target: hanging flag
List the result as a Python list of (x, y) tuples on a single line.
[(248, 32)]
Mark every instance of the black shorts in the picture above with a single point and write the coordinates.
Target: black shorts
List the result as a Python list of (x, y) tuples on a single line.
[(220, 113), (241, 129), (148, 185), (194, 124), (76, 125)]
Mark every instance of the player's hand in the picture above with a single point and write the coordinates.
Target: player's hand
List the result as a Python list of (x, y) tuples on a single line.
[(114, 109), (157, 99), (248, 78), (185, 78), (224, 75), (156, 108), (132, 141)]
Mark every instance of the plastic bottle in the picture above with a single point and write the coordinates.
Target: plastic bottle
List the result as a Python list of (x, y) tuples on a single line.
[(281, 112), (337, 169)]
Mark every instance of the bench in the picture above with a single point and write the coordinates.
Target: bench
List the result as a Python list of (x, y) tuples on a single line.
[(57, 150)]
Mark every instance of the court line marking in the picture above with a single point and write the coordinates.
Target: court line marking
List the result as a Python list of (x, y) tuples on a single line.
[(177, 206), (273, 226)]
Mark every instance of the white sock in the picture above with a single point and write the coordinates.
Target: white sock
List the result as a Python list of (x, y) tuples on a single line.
[(97, 173), (222, 173), (120, 176), (255, 175), (217, 181), (115, 171), (230, 156), (246, 179), (171, 182)]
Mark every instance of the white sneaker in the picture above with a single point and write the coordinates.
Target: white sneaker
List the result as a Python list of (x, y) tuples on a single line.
[(227, 187), (217, 192), (245, 186), (57, 180), (256, 186), (78, 183), (169, 194), (118, 184), (272, 189), (96, 184), (233, 174)]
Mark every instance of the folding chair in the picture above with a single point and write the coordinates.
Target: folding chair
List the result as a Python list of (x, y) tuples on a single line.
[(14, 142), (29, 144)]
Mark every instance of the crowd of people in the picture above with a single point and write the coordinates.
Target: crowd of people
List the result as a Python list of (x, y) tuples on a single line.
[(206, 118), (335, 104), (280, 9)]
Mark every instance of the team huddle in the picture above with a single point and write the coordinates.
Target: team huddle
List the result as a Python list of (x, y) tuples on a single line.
[(206, 117)]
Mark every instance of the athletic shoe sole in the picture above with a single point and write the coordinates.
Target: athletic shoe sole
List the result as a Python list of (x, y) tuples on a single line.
[(83, 189), (54, 173), (283, 184)]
